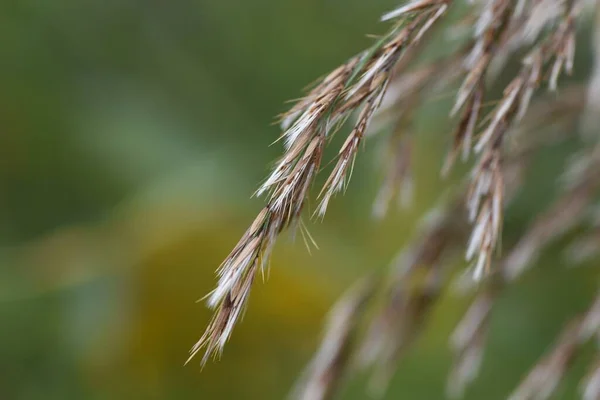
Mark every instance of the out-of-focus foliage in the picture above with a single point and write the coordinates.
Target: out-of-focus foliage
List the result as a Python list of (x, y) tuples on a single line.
[(132, 134)]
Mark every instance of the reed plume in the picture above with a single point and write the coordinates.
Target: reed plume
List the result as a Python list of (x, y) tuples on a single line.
[(359, 84), (384, 86)]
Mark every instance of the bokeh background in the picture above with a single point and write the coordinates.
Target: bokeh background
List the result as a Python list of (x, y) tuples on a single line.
[(132, 134)]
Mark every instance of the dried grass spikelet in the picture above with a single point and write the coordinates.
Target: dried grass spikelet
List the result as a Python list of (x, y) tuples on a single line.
[(486, 194), (360, 85)]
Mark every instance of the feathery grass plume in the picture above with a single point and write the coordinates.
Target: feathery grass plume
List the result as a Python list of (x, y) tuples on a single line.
[(496, 177), (357, 85), (384, 87)]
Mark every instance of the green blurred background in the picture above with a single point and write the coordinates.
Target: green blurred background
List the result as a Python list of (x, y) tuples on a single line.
[(132, 134)]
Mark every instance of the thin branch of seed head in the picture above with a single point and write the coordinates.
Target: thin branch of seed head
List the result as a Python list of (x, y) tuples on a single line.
[(361, 82), (485, 202), (326, 370), (398, 175), (490, 30), (398, 324), (590, 385), (564, 214), (370, 90), (500, 29), (544, 378), (469, 338)]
